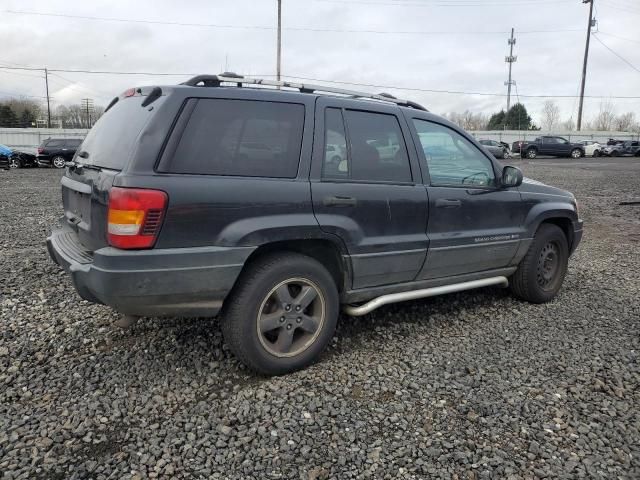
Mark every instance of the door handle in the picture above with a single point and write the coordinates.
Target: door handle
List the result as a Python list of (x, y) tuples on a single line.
[(340, 201), (446, 203)]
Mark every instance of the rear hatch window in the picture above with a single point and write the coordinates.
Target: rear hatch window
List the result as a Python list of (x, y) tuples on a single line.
[(112, 139)]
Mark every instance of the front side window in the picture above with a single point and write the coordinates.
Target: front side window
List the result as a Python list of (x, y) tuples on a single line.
[(241, 137), (452, 160)]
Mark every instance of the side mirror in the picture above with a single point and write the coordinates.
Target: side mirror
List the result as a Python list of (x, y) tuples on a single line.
[(511, 177)]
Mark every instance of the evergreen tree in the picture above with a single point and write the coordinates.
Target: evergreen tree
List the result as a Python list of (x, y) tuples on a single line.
[(518, 119), (7, 117), (496, 122)]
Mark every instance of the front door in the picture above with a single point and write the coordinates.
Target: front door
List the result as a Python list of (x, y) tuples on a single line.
[(473, 226), (363, 190)]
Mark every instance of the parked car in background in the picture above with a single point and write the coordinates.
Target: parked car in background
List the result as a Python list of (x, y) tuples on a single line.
[(164, 218), (55, 152), (549, 145), (5, 154), (622, 148), (591, 148), (497, 149), (17, 158)]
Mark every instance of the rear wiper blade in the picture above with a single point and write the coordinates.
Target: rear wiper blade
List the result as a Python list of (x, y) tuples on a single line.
[(73, 165)]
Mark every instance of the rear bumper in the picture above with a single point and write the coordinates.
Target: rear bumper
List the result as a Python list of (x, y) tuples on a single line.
[(164, 282)]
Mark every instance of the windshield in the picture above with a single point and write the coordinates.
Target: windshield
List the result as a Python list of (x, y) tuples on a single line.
[(111, 141)]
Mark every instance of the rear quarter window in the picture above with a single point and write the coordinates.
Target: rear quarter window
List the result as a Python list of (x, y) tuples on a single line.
[(241, 138), (54, 143)]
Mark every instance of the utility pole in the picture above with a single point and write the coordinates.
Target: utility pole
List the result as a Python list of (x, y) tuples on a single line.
[(584, 66), (279, 38), (46, 82), (87, 104), (510, 59)]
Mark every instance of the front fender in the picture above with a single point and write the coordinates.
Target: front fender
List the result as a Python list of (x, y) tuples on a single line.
[(548, 210)]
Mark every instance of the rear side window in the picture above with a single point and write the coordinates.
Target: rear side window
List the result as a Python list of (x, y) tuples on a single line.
[(73, 143), (241, 137), (377, 149)]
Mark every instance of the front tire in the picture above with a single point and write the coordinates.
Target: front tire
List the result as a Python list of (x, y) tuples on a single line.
[(596, 153), (282, 313), (532, 153), (576, 153), (58, 162), (542, 270)]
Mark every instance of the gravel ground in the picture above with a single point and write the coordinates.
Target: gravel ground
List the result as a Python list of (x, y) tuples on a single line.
[(468, 386)]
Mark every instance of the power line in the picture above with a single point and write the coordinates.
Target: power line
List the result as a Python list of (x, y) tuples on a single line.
[(415, 89), (621, 8), (449, 3), (617, 54), (454, 92), (272, 28), (18, 95), (103, 72), (618, 37)]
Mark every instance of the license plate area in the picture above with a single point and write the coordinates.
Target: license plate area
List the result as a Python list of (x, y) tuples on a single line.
[(77, 209)]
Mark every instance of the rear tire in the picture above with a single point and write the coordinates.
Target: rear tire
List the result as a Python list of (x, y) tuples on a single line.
[(541, 272), (269, 321), (532, 153), (15, 163), (58, 162)]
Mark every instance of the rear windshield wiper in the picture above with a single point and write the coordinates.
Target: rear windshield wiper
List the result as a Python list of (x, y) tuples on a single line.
[(76, 166)]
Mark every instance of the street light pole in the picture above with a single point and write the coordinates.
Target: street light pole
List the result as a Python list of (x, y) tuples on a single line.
[(584, 66)]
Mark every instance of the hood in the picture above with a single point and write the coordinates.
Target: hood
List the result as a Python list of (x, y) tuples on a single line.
[(534, 186)]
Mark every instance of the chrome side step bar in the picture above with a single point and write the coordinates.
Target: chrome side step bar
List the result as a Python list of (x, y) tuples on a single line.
[(357, 311)]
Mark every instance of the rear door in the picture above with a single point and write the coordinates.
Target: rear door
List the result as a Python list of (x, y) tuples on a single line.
[(473, 226), (70, 146), (53, 147), (109, 146), (371, 197)]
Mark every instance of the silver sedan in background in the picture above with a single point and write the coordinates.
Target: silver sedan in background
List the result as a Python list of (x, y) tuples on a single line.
[(497, 149)]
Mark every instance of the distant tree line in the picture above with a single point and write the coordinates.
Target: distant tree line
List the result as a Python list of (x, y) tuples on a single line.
[(23, 113), (517, 118)]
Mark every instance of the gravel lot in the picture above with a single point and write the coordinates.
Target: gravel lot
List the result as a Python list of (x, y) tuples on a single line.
[(468, 386)]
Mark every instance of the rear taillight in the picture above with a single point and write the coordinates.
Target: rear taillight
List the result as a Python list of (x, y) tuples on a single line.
[(40, 150), (135, 217)]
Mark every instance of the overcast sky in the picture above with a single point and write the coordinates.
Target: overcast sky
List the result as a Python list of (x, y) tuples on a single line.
[(459, 49)]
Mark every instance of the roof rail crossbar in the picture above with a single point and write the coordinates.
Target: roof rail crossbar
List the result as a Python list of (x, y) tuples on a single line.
[(228, 77)]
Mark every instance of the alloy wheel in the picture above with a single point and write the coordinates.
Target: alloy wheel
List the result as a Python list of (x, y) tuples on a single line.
[(291, 317)]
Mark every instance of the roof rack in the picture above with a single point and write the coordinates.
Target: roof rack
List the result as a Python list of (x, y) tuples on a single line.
[(239, 80)]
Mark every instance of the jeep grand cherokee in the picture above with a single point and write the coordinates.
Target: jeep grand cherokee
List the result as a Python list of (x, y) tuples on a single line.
[(218, 196)]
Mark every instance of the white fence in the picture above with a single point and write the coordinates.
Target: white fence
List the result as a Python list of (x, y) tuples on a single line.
[(511, 136), (28, 139)]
